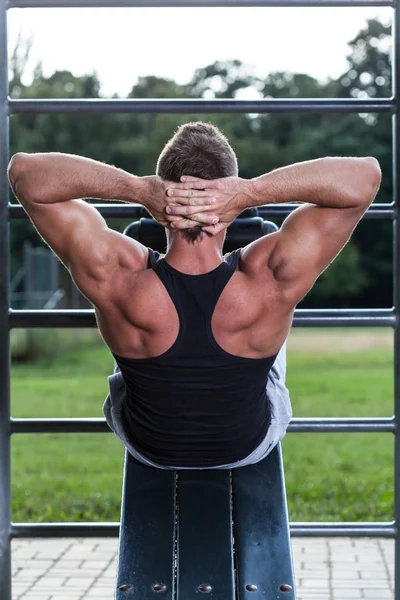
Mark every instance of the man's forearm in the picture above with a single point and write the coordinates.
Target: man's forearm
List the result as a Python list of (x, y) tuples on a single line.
[(328, 182), (54, 177)]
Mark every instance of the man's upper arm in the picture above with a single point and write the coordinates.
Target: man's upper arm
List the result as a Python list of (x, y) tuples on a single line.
[(308, 241), (79, 236)]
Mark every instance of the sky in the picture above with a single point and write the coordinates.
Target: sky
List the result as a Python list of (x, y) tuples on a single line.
[(122, 44)]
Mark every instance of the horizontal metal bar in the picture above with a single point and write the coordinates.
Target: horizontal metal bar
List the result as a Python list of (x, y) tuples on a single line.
[(272, 211), (300, 425), (110, 211), (386, 530), (66, 530), (183, 3), (83, 425), (197, 106), (343, 425), (280, 211), (50, 530), (344, 317), (47, 319), (367, 317)]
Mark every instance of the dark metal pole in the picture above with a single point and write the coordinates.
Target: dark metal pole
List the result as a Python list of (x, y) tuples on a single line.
[(5, 458), (396, 289), (301, 425), (342, 425), (51, 530), (196, 105), (386, 530), (276, 211), (352, 317), (74, 425)]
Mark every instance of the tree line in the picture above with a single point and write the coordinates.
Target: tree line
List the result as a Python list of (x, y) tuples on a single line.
[(362, 274)]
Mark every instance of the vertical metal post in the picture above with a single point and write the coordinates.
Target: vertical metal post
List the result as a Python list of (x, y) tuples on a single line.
[(396, 286), (5, 459)]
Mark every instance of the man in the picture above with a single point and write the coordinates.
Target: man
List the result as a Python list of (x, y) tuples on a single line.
[(198, 338)]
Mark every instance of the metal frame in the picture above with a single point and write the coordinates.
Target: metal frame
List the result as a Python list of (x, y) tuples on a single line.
[(85, 318)]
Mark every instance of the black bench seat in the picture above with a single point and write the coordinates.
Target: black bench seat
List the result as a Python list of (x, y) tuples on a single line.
[(219, 534)]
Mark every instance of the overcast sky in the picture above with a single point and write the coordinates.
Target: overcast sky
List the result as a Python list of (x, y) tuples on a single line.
[(121, 44)]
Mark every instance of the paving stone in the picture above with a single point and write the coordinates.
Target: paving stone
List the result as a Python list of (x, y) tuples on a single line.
[(79, 582), (380, 594), (50, 582), (309, 593), (310, 583), (347, 594), (36, 596), (30, 574), (96, 565), (19, 588)]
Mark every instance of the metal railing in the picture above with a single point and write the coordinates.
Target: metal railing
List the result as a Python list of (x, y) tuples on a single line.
[(85, 318)]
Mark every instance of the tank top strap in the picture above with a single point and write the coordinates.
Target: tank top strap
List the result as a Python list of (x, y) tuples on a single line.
[(153, 258), (230, 264), (232, 260), (156, 262)]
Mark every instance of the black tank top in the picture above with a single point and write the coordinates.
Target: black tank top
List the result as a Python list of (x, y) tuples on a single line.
[(195, 405)]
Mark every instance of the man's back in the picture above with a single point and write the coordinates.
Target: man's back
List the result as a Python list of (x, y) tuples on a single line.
[(196, 401), (251, 319)]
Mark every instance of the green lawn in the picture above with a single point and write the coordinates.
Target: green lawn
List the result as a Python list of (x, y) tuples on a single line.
[(328, 476)]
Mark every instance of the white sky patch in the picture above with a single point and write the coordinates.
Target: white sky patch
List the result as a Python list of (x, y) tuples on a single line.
[(122, 44)]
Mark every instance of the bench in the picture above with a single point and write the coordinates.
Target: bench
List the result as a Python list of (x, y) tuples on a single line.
[(223, 534)]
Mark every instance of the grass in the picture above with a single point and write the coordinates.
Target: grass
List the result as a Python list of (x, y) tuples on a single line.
[(328, 476)]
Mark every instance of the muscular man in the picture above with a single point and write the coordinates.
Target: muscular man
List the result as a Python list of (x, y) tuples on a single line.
[(198, 337)]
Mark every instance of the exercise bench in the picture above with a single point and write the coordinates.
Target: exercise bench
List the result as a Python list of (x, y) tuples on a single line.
[(221, 534)]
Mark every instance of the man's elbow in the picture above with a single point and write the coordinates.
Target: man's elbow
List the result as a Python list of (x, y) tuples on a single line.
[(18, 170), (17, 165), (370, 180)]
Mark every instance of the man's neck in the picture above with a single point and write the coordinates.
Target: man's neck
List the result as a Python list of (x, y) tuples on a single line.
[(194, 258)]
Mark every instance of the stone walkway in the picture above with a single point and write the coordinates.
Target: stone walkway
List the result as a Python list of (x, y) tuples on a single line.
[(325, 568)]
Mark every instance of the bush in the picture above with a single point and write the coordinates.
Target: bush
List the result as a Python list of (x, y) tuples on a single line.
[(29, 345)]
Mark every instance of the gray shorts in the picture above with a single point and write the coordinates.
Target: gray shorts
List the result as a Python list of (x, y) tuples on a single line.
[(281, 413)]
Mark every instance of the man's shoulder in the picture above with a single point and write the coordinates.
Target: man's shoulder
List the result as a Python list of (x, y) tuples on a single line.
[(253, 259), (132, 255)]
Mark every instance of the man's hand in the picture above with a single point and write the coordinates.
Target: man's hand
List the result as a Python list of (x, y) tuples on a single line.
[(155, 197), (186, 199)]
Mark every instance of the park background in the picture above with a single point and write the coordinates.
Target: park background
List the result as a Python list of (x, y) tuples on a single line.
[(333, 372)]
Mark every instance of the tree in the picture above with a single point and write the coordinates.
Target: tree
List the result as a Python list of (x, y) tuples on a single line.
[(369, 75)]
